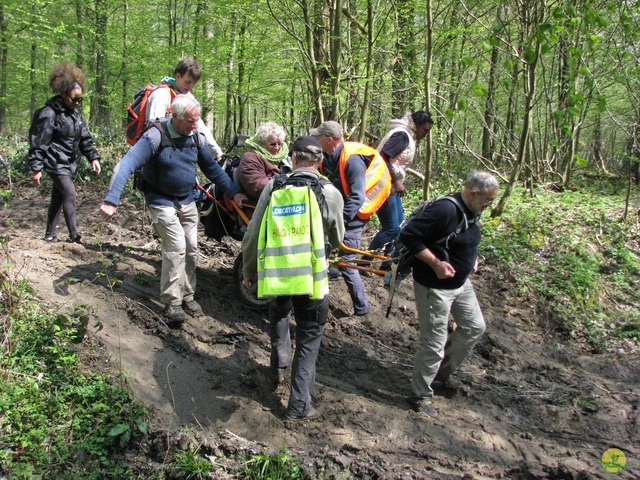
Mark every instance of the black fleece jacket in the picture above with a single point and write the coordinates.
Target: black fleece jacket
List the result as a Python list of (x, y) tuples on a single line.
[(57, 138)]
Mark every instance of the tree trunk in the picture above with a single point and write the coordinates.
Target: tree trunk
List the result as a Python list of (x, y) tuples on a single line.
[(404, 64), (427, 94), (489, 112), (364, 113), (4, 49), (524, 135), (228, 126), (33, 80), (100, 112), (335, 51)]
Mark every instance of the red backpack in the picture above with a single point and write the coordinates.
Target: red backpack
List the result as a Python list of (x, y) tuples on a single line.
[(137, 111)]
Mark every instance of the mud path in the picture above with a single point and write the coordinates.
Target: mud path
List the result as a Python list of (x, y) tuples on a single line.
[(535, 407)]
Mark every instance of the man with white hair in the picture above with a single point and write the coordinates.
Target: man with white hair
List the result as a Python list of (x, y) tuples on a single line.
[(168, 153)]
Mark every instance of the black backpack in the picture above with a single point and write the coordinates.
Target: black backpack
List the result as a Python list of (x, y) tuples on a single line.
[(297, 180), (139, 183), (400, 254)]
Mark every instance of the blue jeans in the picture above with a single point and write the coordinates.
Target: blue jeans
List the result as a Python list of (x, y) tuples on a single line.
[(391, 216), (351, 276)]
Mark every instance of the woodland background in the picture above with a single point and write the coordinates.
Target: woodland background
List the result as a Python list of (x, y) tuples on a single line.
[(531, 90)]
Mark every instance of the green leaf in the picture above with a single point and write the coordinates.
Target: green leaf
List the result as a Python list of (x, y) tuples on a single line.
[(573, 111), (143, 427), (480, 89), (580, 161), (466, 61), (559, 115), (118, 430), (529, 55), (462, 104), (602, 103)]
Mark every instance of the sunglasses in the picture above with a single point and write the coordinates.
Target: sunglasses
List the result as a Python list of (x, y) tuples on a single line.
[(273, 144), (76, 99)]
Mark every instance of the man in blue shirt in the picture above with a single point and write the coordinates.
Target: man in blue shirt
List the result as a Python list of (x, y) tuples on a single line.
[(168, 154)]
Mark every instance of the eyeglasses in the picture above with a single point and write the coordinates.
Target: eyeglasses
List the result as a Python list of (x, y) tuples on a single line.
[(76, 99), (273, 144)]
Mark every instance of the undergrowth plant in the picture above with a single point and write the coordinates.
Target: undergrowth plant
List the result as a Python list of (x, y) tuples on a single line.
[(573, 255), (57, 419), (280, 466)]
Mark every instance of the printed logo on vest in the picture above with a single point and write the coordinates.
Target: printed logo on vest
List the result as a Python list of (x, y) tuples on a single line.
[(286, 210)]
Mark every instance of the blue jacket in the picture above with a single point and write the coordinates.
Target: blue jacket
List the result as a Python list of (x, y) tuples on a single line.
[(171, 172)]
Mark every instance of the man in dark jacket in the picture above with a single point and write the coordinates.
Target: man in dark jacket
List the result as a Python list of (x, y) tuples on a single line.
[(169, 175), (442, 286)]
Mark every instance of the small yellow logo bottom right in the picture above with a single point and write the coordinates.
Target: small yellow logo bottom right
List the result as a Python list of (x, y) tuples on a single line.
[(614, 461)]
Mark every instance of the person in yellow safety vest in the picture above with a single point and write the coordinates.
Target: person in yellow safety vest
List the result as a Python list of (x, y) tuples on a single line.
[(362, 176), (291, 251), (311, 314)]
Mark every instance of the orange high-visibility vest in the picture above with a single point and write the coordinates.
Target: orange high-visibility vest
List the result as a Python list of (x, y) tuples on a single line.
[(377, 177)]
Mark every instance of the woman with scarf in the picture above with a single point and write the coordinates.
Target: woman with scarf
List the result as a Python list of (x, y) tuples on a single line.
[(58, 137), (266, 151)]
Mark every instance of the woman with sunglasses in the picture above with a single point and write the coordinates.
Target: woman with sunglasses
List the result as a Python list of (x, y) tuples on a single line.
[(58, 137), (266, 151)]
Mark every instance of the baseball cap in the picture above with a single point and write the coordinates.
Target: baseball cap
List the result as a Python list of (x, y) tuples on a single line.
[(307, 144), (328, 128)]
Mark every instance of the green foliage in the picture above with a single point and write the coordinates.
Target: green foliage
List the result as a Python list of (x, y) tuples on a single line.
[(57, 420), (573, 254), (191, 466), (266, 466)]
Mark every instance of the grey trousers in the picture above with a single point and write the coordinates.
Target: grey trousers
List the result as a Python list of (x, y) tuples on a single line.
[(437, 353), (178, 230), (311, 316)]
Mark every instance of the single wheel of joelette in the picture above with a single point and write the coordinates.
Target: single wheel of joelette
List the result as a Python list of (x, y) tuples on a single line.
[(247, 297)]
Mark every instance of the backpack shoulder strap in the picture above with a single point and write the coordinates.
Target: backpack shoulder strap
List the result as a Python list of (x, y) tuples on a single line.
[(462, 226)]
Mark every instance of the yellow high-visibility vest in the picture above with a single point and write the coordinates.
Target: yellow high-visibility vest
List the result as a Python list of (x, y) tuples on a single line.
[(291, 254)]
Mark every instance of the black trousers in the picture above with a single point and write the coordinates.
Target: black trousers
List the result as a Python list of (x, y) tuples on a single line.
[(63, 197)]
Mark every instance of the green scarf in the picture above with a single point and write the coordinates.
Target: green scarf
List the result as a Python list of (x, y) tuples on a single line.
[(171, 81), (256, 146)]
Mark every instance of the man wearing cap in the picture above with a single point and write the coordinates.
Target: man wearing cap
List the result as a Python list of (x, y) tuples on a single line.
[(311, 314), (361, 175)]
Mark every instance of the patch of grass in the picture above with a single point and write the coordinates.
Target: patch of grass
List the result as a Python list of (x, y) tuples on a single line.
[(191, 466), (280, 466), (57, 420), (573, 254)]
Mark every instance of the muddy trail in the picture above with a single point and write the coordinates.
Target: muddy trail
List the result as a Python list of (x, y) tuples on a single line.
[(534, 406)]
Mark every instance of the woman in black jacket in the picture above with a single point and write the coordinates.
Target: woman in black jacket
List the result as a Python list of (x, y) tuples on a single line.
[(57, 137)]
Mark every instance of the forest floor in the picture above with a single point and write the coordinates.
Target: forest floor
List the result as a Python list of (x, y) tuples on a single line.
[(535, 406)]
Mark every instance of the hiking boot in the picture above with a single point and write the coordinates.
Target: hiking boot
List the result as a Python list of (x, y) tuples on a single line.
[(50, 238), (75, 238), (424, 406), (313, 413), (175, 316), (191, 307)]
